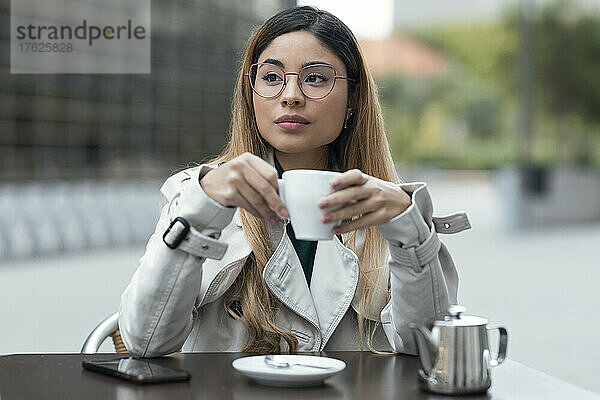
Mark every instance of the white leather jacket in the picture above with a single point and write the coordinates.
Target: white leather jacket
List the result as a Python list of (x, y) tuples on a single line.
[(175, 297)]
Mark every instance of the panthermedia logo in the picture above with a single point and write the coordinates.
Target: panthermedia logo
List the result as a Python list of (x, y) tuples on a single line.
[(96, 36)]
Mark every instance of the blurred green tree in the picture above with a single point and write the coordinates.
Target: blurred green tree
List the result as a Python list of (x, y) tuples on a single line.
[(454, 119), (568, 58), (431, 119), (567, 61), (478, 93)]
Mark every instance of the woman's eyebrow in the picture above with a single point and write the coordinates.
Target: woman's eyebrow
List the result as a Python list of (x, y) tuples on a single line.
[(314, 63), (280, 64), (273, 61)]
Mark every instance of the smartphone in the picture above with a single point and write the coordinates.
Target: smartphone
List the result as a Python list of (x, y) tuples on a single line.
[(136, 370)]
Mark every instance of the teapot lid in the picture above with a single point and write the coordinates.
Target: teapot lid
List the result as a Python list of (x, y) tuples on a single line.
[(456, 318)]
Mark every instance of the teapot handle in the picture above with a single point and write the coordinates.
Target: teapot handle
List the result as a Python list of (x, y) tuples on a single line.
[(501, 346)]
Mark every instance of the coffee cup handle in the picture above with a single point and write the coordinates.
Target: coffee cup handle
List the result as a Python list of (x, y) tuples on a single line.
[(281, 186)]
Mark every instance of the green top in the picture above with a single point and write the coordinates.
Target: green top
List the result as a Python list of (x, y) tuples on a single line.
[(306, 249)]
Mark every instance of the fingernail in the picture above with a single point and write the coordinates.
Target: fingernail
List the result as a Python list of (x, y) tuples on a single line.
[(323, 203), (283, 213), (325, 218), (334, 182)]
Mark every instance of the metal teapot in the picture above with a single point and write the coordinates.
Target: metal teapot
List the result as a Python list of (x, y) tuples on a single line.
[(455, 356)]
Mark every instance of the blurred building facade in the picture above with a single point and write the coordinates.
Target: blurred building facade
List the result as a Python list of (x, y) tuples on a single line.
[(119, 125), (82, 156)]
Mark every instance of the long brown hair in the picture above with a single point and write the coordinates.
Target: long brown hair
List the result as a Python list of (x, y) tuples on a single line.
[(361, 144)]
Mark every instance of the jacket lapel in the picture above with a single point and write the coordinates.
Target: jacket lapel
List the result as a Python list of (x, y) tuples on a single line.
[(333, 284), (284, 277)]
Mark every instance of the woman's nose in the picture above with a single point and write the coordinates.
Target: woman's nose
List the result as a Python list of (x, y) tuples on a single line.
[(291, 92)]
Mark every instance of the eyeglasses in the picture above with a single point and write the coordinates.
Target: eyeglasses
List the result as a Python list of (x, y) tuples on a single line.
[(315, 81)]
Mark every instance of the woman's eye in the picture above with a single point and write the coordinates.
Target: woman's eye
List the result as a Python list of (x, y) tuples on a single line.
[(271, 77), (315, 78)]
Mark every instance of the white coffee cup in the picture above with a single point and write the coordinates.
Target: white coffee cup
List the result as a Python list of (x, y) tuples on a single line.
[(300, 190)]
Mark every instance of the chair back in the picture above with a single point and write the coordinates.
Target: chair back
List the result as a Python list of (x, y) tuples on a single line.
[(106, 328)]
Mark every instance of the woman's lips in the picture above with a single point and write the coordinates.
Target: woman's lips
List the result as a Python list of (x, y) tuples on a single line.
[(291, 126)]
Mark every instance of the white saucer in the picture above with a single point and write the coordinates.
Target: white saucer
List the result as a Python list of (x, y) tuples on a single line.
[(254, 367)]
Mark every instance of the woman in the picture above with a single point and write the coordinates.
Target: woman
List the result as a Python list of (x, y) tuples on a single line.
[(224, 271)]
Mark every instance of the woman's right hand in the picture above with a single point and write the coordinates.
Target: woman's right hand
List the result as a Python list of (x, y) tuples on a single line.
[(249, 182)]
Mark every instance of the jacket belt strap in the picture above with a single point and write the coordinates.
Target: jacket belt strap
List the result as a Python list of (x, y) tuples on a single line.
[(201, 245), (451, 223), (181, 236), (419, 256)]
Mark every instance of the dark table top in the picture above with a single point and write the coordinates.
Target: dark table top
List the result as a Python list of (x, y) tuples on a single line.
[(367, 376)]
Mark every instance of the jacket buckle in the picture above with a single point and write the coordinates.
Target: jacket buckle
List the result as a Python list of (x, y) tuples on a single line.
[(176, 232)]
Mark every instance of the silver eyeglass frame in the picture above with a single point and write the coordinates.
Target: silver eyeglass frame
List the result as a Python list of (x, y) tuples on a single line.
[(285, 81)]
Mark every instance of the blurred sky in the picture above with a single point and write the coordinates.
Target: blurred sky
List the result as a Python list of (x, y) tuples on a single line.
[(375, 19)]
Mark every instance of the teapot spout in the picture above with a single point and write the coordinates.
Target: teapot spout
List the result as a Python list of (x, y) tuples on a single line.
[(428, 351)]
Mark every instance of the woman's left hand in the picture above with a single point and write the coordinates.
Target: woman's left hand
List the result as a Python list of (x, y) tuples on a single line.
[(376, 200)]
